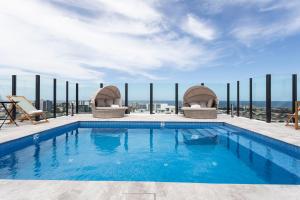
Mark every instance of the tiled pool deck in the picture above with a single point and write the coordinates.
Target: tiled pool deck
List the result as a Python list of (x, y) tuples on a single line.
[(35, 189)]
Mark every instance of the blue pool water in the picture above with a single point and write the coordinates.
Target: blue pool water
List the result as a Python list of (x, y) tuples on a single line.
[(151, 151)]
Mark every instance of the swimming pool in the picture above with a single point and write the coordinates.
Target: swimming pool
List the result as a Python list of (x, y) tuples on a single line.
[(151, 151)]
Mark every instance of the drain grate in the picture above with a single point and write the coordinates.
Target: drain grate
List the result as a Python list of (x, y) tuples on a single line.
[(139, 196)]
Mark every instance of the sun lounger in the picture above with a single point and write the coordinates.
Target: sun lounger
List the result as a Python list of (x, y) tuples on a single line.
[(290, 117), (27, 110)]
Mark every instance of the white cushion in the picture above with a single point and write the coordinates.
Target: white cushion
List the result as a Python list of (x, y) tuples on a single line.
[(109, 102), (194, 103), (203, 104), (115, 106), (35, 112), (111, 108), (195, 106), (199, 108)]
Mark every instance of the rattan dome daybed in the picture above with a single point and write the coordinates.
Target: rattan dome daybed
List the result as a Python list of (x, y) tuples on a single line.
[(200, 102), (107, 103)]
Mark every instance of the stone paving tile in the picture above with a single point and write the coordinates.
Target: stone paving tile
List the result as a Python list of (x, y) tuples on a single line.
[(74, 190)]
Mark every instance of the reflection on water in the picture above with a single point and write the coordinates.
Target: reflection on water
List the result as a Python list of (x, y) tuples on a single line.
[(126, 141), (37, 162), (54, 161), (151, 140), (261, 160), (238, 146), (199, 136), (107, 139), (76, 141), (13, 165), (184, 155), (176, 139), (67, 145), (250, 157), (228, 141)]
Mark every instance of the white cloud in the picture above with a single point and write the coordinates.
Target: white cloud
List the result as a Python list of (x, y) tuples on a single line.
[(129, 36), (136, 9), (262, 21), (218, 6), (261, 30), (198, 28), (88, 38)]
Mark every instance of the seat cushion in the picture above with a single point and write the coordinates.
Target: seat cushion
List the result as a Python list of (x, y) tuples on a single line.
[(195, 106), (203, 104), (35, 112), (115, 106), (111, 108), (190, 108)]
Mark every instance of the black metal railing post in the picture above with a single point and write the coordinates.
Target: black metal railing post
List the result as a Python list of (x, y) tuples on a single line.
[(294, 92), (14, 85), (228, 98), (14, 93), (268, 99), (250, 99), (101, 85), (54, 98), (126, 98), (77, 99), (238, 98), (37, 94), (176, 98), (67, 98), (151, 98)]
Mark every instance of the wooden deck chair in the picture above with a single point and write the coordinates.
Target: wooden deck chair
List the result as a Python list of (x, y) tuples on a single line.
[(29, 112), (292, 116)]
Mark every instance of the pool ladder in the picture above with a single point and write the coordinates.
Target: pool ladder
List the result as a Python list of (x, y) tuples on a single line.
[(162, 124)]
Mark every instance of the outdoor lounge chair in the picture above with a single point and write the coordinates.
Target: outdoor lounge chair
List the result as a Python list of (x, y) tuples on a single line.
[(290, 117), (200, 102), (27, 110), (107, 103)]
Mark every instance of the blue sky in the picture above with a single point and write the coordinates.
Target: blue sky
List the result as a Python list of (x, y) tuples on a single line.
[(139, 41)]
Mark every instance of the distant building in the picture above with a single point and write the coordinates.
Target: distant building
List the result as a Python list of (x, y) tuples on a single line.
[(164, 108), (47, 105), (83, 106), (157, 108)]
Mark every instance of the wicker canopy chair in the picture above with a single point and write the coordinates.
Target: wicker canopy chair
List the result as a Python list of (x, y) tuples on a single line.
[(107, 103), (200, 102)]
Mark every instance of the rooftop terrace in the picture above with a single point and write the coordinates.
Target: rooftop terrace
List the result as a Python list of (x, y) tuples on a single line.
[(18, 189), (255, 107)]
